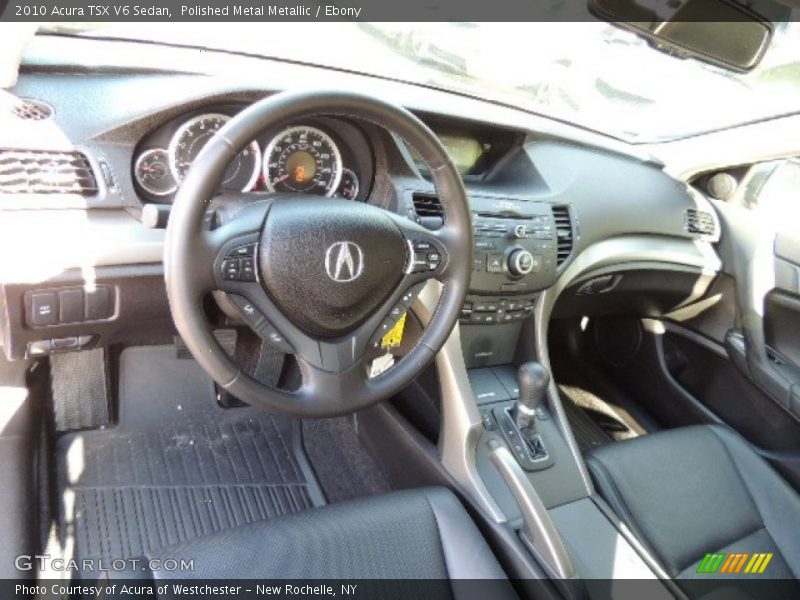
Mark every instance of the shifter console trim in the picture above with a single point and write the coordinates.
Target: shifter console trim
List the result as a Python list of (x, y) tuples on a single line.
[(521, 447)]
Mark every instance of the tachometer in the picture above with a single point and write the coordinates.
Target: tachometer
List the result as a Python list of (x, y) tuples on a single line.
[(303, 159), (153, 174), (242, 173)]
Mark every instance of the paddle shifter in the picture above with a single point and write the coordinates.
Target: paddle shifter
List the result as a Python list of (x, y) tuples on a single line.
[(533, 380)]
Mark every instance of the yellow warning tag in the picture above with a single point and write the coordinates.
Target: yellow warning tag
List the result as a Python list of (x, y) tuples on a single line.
[(394, 336)]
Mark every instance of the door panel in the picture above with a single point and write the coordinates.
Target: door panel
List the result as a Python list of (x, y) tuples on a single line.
[(782, 326)]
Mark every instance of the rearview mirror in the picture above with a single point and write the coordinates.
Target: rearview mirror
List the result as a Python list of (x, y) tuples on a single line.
[(721, 32)]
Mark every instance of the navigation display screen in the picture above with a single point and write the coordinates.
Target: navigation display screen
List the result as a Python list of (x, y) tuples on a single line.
[(465, 151)]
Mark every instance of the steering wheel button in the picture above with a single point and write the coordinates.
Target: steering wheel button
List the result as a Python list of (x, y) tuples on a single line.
[(420, 245), (250, 313), (247, 269), (271, 335), (408, 298), (247, 250), (397, 312), (230, 269)]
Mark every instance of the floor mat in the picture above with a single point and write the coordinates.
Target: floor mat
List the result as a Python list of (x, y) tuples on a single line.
[(344, 467), (176, 466)]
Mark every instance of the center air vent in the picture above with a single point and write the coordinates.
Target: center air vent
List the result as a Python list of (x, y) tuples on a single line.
[(32, 110), (700, 222), (427, 205), (41, 172), (564, 233)]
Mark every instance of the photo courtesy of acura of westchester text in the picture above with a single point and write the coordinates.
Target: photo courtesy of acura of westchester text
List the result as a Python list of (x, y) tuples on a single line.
[(443, 299)]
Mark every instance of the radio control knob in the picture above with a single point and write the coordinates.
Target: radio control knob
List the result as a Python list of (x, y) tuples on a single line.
[(520, 262), (518, 231)]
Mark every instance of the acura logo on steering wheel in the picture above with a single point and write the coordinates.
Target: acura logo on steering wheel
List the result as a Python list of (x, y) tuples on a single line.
[(344, 261)]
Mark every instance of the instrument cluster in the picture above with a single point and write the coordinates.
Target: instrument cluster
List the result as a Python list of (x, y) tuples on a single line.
[(324, 156)]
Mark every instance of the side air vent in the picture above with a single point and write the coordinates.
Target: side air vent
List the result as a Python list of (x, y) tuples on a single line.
[(427, 205), (700, 222), (564, 233), (40, 172), (32, 110)]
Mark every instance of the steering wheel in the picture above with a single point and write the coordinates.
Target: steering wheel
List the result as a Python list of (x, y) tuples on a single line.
[(324, 277)]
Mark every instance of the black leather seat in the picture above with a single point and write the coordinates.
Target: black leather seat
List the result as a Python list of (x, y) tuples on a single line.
[(416, 534), (697, 490)]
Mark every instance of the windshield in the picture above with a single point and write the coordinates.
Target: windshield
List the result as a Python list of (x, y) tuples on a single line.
[(592, 74)]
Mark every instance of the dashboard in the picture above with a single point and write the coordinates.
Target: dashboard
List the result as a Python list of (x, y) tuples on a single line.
[(323, 156), (549, 202)]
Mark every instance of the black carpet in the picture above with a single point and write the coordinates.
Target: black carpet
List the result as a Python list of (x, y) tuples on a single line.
[(176, 466)]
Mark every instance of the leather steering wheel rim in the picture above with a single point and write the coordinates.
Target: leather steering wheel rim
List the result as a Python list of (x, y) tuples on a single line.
[(192, 257)]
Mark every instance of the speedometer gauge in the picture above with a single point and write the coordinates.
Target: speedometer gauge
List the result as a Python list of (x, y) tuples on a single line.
[(189, 139), (303, 159)]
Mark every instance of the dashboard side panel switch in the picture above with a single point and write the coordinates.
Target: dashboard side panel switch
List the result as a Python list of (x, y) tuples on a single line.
[(98, 303), (44, 309), (70, 305)]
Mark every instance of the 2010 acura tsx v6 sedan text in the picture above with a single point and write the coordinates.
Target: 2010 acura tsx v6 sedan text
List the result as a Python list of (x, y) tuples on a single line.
[(401, 310)]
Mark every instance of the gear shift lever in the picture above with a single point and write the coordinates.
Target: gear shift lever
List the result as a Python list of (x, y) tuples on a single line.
[(533, 380)]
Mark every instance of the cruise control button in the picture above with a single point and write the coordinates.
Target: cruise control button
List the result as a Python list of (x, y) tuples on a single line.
[(397, 311), (382, 330), (408, 298)]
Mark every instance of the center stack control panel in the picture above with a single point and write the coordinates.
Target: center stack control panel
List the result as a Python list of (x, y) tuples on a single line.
[(515, 251), (515, 257)]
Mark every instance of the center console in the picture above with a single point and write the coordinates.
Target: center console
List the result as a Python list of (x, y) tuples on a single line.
[(515, 256), (504, 432)]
